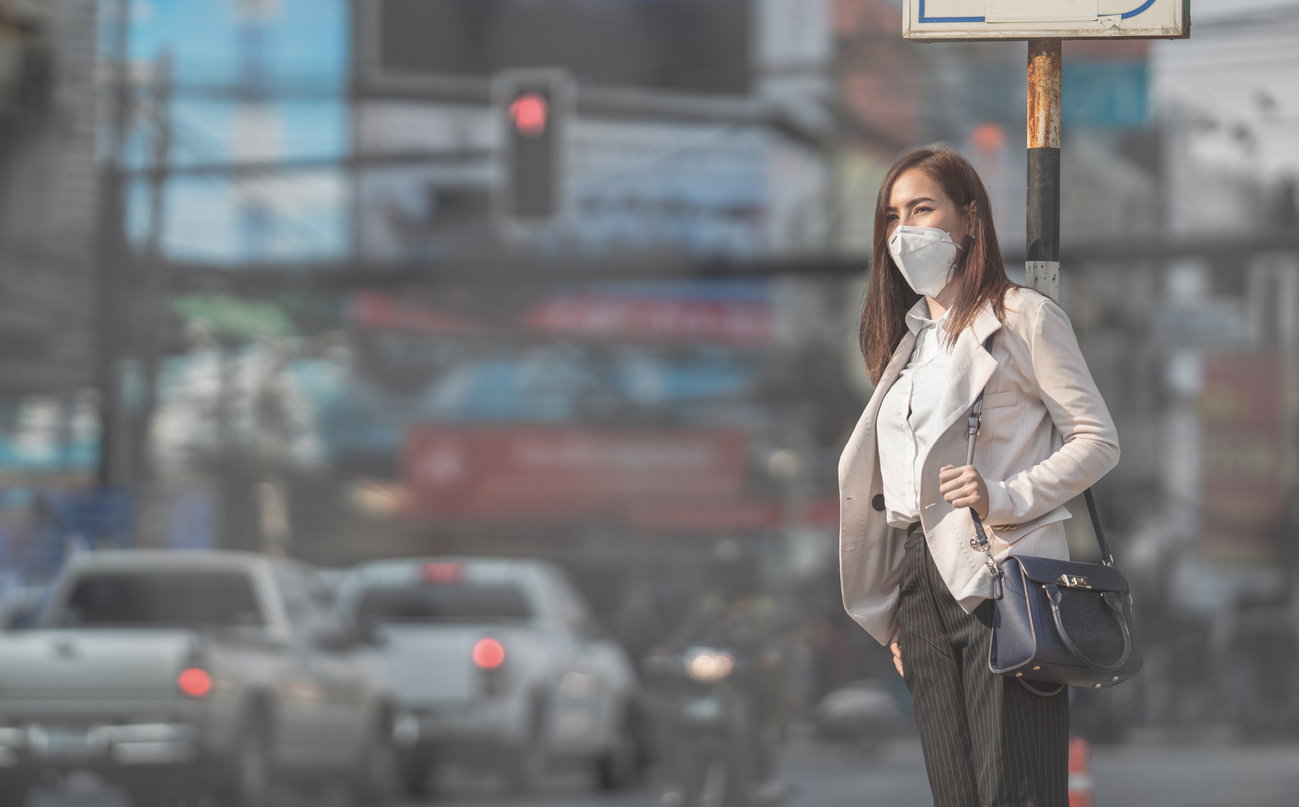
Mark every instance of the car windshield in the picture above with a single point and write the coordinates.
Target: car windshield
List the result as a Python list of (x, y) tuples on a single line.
[(162, 599), (459, 602)]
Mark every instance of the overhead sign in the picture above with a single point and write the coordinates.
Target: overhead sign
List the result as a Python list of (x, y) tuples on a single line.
[(937, 20)]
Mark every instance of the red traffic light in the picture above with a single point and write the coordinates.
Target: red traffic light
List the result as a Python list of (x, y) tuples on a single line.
[(530, 113)]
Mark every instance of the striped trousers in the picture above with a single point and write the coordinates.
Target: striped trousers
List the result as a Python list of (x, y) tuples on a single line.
[(988, 742)]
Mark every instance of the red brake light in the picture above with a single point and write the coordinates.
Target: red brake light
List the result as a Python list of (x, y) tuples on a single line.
[(443, 573), (194, 682), (489, 654)]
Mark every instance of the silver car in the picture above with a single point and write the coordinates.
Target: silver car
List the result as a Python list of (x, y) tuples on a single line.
[(498, 663), (179, 673)]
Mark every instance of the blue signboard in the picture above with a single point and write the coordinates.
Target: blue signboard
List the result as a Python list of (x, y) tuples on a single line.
[(1110, 94)]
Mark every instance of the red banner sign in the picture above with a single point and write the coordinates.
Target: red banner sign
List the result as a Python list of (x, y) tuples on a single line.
[(1243, 456), (655, 319), (563, 471), (380, 311)]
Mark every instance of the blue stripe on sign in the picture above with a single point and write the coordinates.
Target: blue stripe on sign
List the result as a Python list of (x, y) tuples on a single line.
[(1125, 15), (923, 18), (1135, 11)]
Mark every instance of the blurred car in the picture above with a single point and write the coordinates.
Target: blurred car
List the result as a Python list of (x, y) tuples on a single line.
[(863, 712), (497, 663), (180, 674)]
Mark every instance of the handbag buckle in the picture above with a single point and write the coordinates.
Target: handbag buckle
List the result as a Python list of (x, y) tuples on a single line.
[(1075, 581)]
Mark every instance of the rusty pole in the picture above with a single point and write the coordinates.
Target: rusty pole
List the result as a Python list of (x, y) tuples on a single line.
[(1042, 269)]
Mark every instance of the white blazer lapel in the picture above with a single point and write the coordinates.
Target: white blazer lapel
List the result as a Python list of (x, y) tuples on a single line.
[(862, 441), (971, 368)]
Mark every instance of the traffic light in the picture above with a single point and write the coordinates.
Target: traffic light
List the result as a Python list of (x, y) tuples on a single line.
[(533, 109)]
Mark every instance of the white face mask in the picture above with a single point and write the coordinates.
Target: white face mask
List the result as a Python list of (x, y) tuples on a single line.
[(925, 256)]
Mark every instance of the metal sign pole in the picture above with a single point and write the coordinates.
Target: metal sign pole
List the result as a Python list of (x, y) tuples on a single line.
[(1042, 269)]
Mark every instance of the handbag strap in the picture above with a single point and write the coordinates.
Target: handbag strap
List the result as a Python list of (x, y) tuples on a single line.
[(1106, 557), (972, 434)]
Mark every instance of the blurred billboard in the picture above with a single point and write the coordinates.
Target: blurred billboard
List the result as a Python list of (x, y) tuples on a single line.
[(504, 472), (1243, 463), (1106, 85), (655, 479), (693, 45)]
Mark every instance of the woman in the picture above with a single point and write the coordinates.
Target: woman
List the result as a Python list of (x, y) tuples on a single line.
[(913, 575)]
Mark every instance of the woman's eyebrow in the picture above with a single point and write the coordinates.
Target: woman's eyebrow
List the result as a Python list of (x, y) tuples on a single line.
[(914, 202)]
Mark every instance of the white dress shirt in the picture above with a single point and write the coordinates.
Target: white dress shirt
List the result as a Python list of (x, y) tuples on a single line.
[(908, 426)]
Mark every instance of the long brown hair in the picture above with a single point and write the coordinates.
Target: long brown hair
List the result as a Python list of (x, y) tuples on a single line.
[(979, 274)]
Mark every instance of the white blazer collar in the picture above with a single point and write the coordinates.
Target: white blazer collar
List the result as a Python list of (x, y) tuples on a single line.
[(972, 367)]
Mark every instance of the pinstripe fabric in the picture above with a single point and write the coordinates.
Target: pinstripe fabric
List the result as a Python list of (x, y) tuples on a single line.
[(987, 741)]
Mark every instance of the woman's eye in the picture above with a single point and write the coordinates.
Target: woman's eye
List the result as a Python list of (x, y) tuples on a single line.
[(921, 210)]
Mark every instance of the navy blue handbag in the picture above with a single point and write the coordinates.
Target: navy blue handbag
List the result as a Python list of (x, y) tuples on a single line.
[(1058, 622)]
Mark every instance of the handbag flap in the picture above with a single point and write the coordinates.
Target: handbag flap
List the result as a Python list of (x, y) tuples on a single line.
[(1070, 574)]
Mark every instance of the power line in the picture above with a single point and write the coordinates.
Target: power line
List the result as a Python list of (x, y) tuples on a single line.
[(232, 172), (515, 269)]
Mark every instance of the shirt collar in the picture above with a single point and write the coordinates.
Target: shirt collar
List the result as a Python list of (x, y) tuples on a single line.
[(918, 317)]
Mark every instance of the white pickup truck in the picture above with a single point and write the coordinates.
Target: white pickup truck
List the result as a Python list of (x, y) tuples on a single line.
[(180, 674), (497, 662)]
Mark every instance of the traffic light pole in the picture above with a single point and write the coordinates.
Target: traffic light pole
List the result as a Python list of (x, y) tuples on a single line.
[(111, 252), (150, 322), (1042, 260)]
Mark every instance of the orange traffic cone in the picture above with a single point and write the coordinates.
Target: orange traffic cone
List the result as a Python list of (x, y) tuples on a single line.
[(1080, 773)]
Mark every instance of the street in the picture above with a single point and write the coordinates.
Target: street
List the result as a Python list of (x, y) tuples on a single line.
[(893, 776)]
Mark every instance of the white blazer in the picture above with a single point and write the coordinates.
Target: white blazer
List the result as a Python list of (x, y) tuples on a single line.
[(1046, 437)]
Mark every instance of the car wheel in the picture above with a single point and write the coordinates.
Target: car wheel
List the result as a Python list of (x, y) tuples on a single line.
[(619, 766), (525, 768), (414, 771), (527, 762), (248, 779), (376, 778)]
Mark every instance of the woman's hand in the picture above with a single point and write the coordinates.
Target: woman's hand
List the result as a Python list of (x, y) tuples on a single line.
[(897, 655), (964, 487)]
